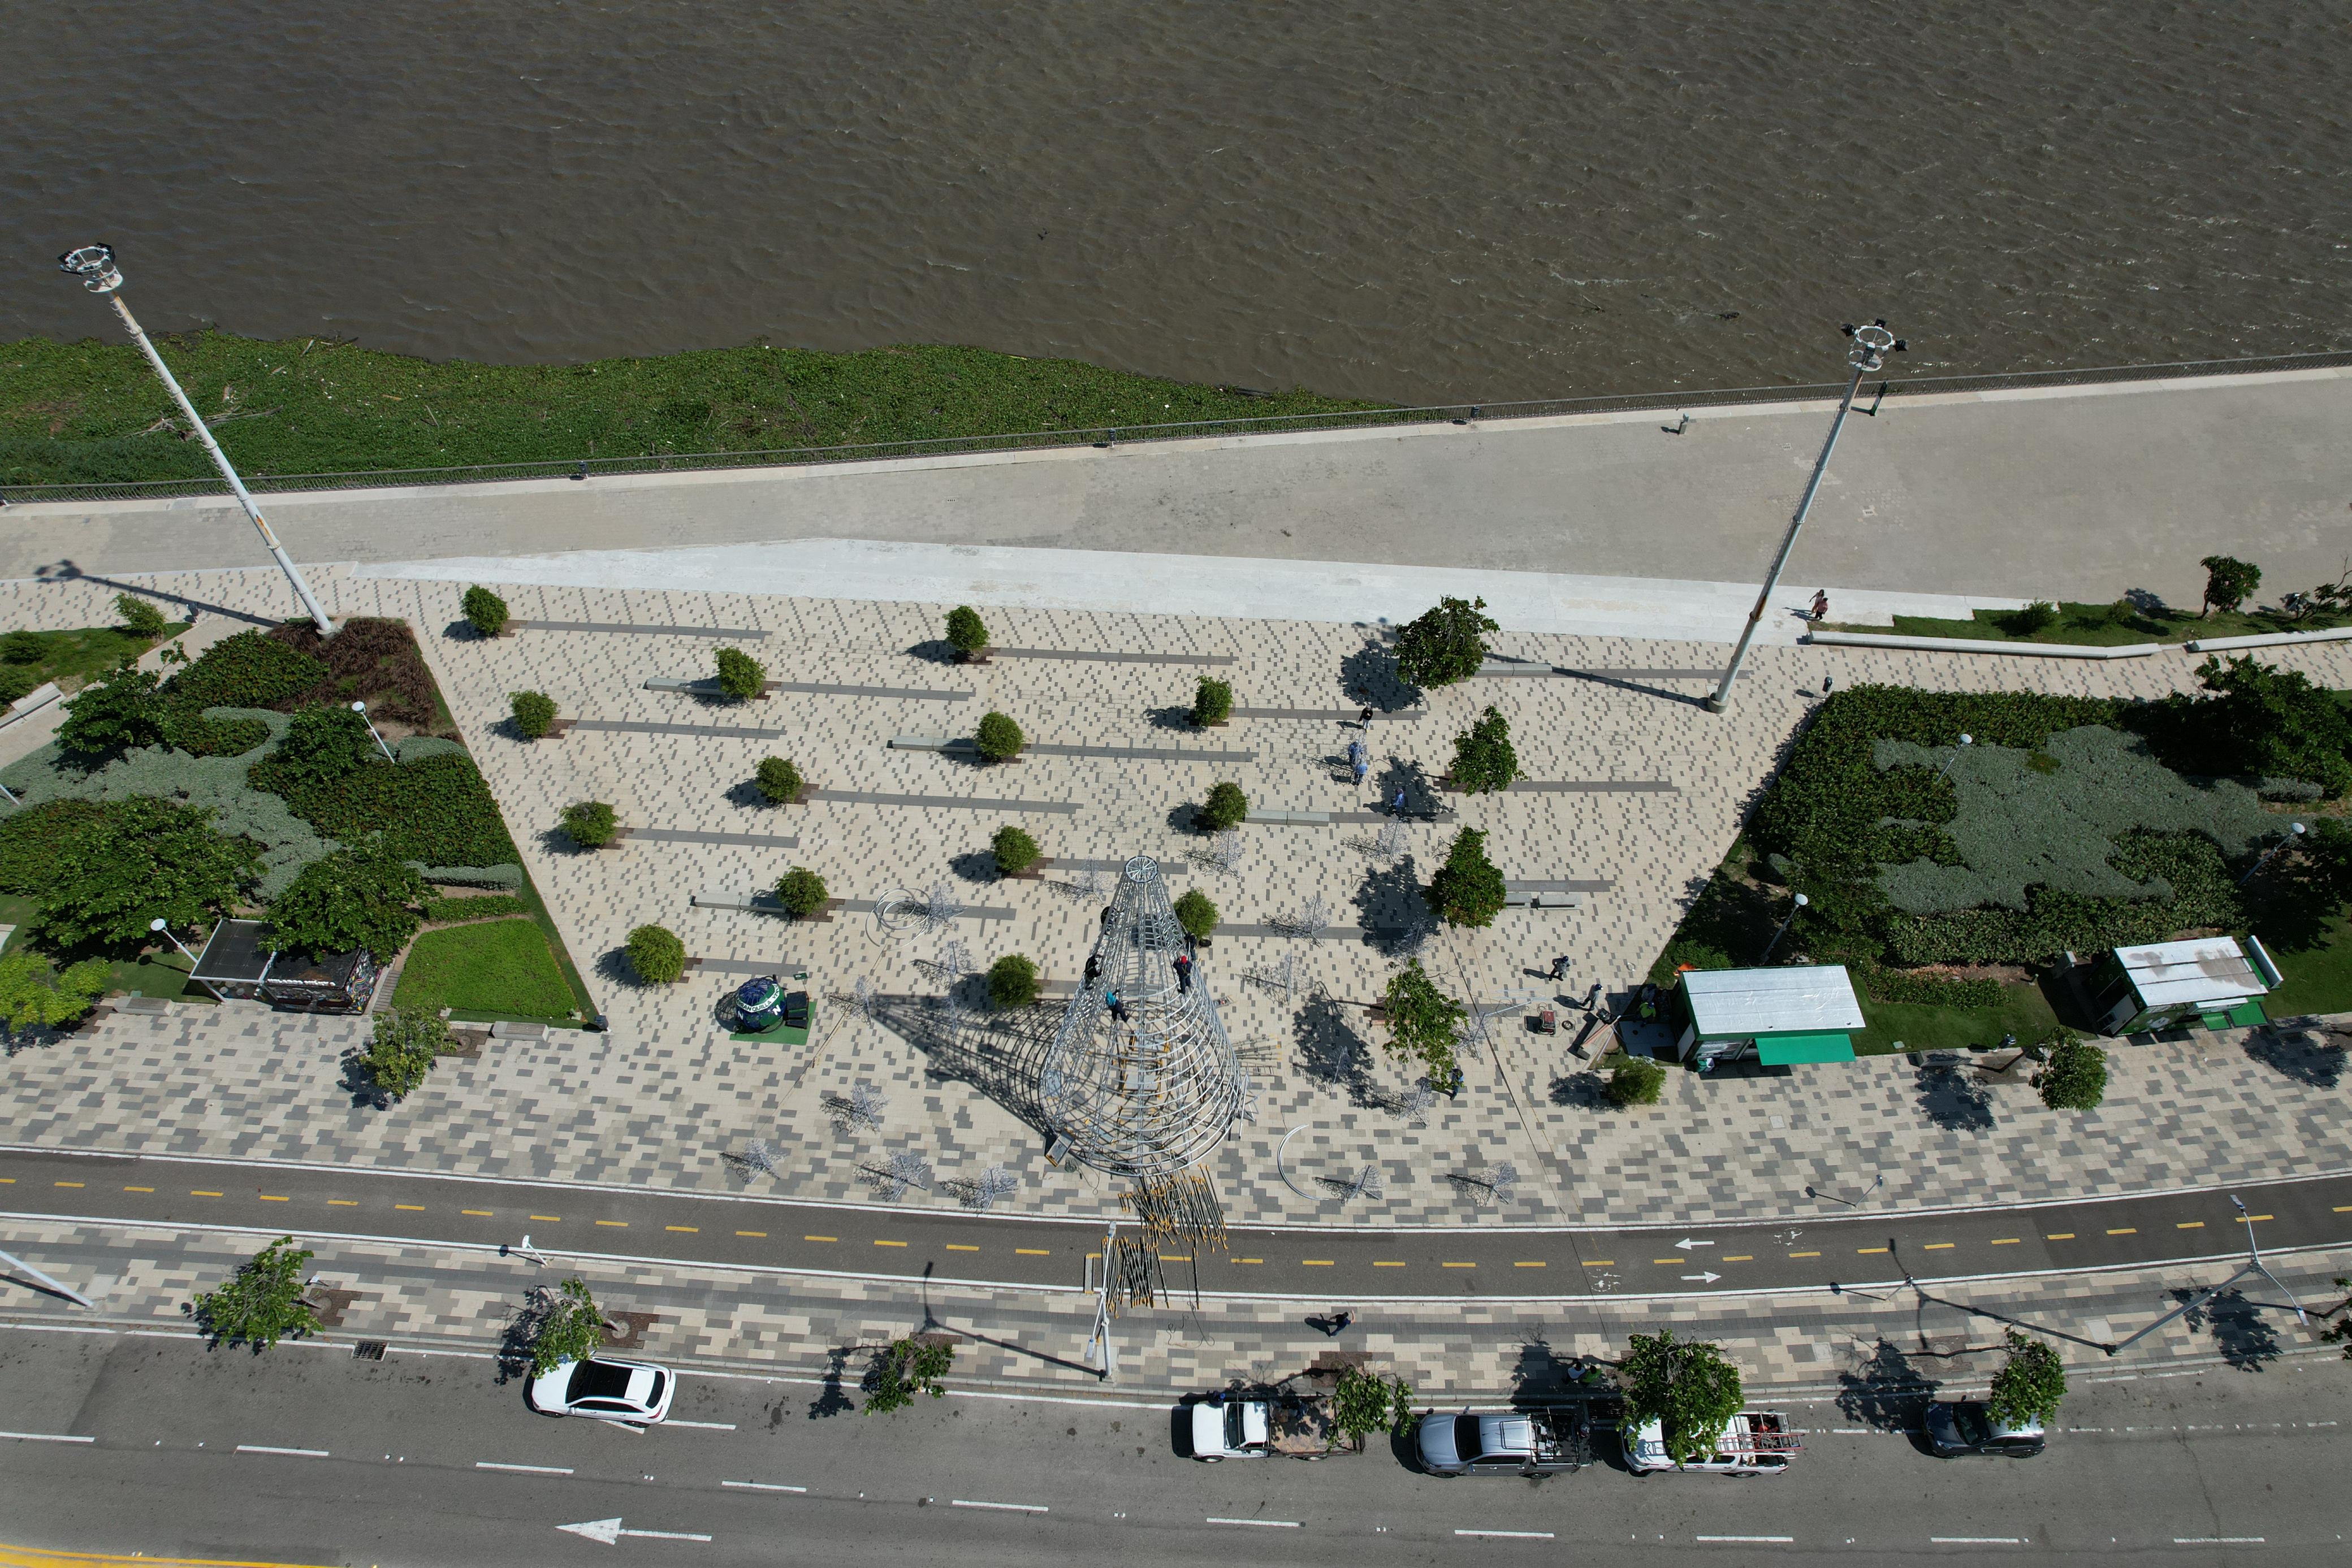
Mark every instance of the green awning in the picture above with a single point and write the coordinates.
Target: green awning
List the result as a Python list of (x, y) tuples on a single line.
[(1784, 1050), (2248, 1014)]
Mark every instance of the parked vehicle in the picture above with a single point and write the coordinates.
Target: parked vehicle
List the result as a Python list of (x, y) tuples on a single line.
[(1248, 1425), (630, 1393), (1968, 1428), (1756, 1443), (1504, 1442)]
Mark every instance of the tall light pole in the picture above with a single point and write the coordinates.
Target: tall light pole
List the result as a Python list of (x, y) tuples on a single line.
[(94, 265), (1798, 903), (163, 927), (1966, 742), (360, 708), (2266, 854), (1871, 344)]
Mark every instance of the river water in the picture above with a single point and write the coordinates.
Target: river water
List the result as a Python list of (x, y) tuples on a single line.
[(1477, 199)]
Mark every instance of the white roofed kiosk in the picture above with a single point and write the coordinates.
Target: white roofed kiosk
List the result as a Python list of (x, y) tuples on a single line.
[(1804, 1013), (2218, 980)]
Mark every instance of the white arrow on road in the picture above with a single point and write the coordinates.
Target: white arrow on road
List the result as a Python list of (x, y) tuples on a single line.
[(1688, 1241), (609, 1531), (1710, 1278)]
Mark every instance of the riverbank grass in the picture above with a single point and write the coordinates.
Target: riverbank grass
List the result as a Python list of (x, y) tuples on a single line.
[(2105, 626)]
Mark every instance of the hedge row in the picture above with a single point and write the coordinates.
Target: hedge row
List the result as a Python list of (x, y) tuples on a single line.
[(436, 810)]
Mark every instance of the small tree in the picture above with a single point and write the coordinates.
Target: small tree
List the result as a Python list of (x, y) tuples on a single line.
[(363, 895), (147, 858), (570, 1328), (1688, 1388), (403, 1050), (966, 633), (534, 714), (1014, 849), (740, 676), (113, 713), (32, 995), (1212, 702), (1366, 1402), (140, 617), (997, 738), (2229, 583), (1196, 914), (802, 892), (1447, 645), (1484, 762), (2076, 1076), (484, 610), (1636, 1081), (656, 954), (2038, 616), (2029, 1386), (1226, 807), (1422, 1022), (1468, 890), (262, 1303), (905, 1368), (779, 781), (1012, 983), (590, 823)]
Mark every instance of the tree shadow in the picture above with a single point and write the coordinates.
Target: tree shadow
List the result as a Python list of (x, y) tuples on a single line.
[(975, 865), (2241, 1332), (1182, 817), (1369, 677), (831, 1400), (1884, 1391), (746, 792), (1175, 717), (935, 651), (2311, 1057), (1330, 1051), (1392, 909), (360, 1083), (1953, 1100), (613, 967), (1541, 1376), (1421, 798), (1586, 1090)]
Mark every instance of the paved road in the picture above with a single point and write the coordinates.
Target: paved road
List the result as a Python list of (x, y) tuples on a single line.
[(1362, 1264), (306, 1456)]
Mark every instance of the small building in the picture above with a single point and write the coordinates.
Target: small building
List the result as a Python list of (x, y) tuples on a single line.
[(234, 963), (2135, 990), (1805, 1012)]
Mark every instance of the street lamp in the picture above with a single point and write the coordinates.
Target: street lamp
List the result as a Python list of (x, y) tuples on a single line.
[(360, 708), (94, 265), (163, 928), (2266, 854), (1871, 344), (1799, 904), (1965, 740)]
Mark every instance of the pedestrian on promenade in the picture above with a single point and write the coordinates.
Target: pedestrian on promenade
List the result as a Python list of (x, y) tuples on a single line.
[(1825, 684), (1336, 1322), (1397, 805), (1365, 718), (1592, 997), (1560, 968), (1184, 971), (1821, 604)]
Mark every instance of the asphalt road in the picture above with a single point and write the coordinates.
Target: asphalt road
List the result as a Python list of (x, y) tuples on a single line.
[(1366, 1263), (303, 1455)]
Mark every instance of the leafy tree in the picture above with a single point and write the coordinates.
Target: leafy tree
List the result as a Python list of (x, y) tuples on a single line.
[(1687, 1387), (1636, 1081), (1012, 983), (1226, 807), (903, 1369), (1468, 890), (570, 1328), (778, 778), (262, 1303), (1014, 849), (802, 892), (1196, 914), (113, 713), (1484, 762), (363, 895), (147, 858), (2229, 583), (656, 954), (1447, 645), (484, 610), (1422, 1022), (2328, 599), (403, 1050), (1366, 1402), (140, 617), (1212, 702), (2029, 1386), (321, 746), (2076, 1076), (997, 738), (2340, 1330), (32, 995), (590, 823), (2261, 720), (534, 714), (740, 676), (966, 633), (23, 647)]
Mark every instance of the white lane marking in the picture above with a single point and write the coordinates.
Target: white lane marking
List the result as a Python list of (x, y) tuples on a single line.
[(264, 1448), (526, 1469), (2217, 1541), (46, 1437), (609, 1531), (761, 1486), (1260, 1523), (1511, 1534), (1004, 1507), (1746, 1540), (705, 1426), (1976, 1540)]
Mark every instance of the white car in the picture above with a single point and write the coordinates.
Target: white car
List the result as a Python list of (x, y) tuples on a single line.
[(635, 1393)]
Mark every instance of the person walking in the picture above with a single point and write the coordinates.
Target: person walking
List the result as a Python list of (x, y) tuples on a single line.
[(1183, 966), (1365, 718), (1397, 805), (1560, 968), (1821, 605)]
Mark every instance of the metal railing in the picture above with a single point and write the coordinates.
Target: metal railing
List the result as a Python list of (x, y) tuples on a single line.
[(1878, 390)]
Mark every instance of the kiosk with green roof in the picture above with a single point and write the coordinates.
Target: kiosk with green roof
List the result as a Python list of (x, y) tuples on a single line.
[(1805, 1012)]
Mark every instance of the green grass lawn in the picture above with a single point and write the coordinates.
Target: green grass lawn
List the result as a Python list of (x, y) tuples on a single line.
[(2105, 626), (88, 650), (2318, 977), (2023, 1011), (499, 969)]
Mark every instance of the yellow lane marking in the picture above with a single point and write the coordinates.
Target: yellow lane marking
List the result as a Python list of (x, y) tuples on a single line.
[(1601, 1263), (550, 1219), (1869, 1249), (761, 1234), (1938, 1247), (2344, 1209), (268, 1197), (953, 1246), (1741, 1257), (2189, 1224), (690, 1229), (34, 1557), (1377, 1263), (1316, 1263), (1175, 1257), (1668, 1260), (477, 1213), (1538, 1265), (890, 1244), (70, 1184), (1457, 1265), (410, 1208), (2258, 1217), (2004, 1241), (1033, 1252), (615, 1223), (820, 1237), (11, 1181), (2058, 1236), (1805, 1254), (2126, 1230), (1229, 1259), (342, 1202), (138, 1189), (199, 1192)]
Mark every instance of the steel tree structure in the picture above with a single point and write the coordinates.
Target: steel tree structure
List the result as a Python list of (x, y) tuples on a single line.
[(1151, 1095)]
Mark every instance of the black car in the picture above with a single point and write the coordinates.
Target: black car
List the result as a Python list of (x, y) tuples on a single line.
[(1968, 1428)]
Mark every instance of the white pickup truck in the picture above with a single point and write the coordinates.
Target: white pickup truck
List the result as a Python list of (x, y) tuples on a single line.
[(1244, 1426), (1756, 1443)]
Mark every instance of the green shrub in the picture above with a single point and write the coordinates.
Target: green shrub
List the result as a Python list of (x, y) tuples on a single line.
[(23, 647), (33, 840), (435, 810), (2030, 1386), (213, 734), (2200, 895), (1012, 983), (966, 634), (1422, 1021), (484, 610), (1636, 1081), (2260, 721), (1929, 990), (359, 896), (247, 670), (902, 1370), (1468, 890), (373, 657), (140, 617), (403, 1049), (590, 823), (1446, 645), (262, 1303), (2038, 616), (568, 1328), (740, 676), (656, 954), (15, 680), (113, 713), (802, 893), (1226, 807), (1212, 701), (1484, 762), (1014, 849), (1196, 914), (32, 995), (2076, 1076), (496, 906), (777, 779), (321, 746), (997, 738), (1367, 1402), (535, 713)]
